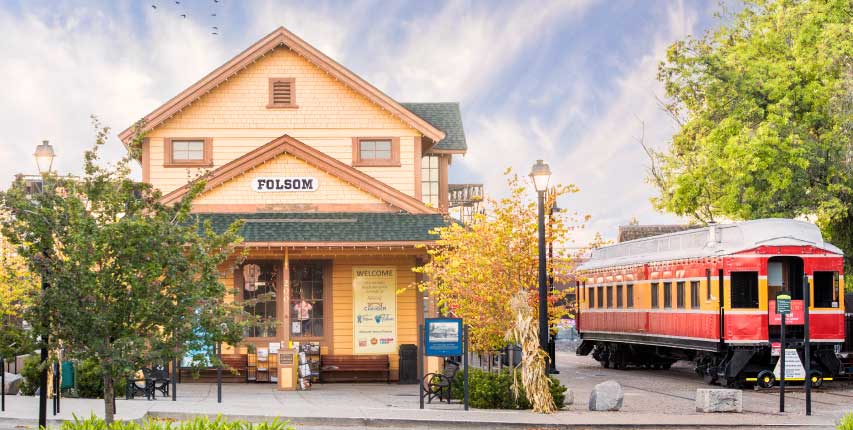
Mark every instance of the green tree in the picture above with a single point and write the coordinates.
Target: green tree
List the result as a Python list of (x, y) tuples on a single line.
[(765, 109), (131, 281), (475, 268), (17, 286)]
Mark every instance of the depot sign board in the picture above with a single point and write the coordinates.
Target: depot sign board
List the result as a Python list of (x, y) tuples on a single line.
[(284, 184)]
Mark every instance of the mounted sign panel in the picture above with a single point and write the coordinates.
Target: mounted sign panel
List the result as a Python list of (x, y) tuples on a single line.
[(443, 337), (285, 184)]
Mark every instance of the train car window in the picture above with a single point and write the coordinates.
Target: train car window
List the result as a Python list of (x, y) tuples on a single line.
[(667, 295), (825, 289), (679, 293), (600, 297), (655, 296), (630, 296), (707, 284), (590, 295), (619, 300), (610, 296), (694, 294), (744, 290)]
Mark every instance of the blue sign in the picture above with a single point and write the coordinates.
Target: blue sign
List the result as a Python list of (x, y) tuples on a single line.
[(443, 336)]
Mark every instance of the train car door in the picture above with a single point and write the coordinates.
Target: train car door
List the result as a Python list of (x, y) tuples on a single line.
[(785, 275)]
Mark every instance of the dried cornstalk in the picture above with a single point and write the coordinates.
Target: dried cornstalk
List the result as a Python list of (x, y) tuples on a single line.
[(534, 379)]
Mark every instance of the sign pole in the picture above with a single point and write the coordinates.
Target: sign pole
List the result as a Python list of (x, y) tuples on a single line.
[(807, 340), (465, 361), (782, 351), (2, 385), (421, 363)]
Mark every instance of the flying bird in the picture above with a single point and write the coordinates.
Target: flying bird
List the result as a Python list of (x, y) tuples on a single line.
[(216, 28), (153, 6), (213, 14), (214, 33), (183, 15)]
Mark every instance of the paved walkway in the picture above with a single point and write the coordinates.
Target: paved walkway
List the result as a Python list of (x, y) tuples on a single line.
[(374, 405)]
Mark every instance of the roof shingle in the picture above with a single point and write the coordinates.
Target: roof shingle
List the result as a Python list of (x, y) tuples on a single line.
[(446, 117), (330, 226)]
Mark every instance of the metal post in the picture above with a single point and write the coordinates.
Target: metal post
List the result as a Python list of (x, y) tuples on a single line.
[(782, 366), (2, 385), (465, 374), (174, 379), (543, 279), (219, 375), (806, 339), (55, 388), (421, 363), (43, 374)]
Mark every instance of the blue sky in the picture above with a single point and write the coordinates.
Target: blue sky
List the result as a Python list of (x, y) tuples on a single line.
[(572, 82)]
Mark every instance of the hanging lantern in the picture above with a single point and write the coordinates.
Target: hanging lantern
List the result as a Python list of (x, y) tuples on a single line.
[(251, 273)]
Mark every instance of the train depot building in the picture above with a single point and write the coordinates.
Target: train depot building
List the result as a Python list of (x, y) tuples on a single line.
[(708, 295), (337, 184)]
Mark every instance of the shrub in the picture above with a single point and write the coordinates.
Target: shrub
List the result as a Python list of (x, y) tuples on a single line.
[(846, 422), (90, 380), (198, 423), (489, 390), (30, 374)]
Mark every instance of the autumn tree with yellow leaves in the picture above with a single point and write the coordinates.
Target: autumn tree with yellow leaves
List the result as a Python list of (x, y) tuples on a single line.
[(476, 268)]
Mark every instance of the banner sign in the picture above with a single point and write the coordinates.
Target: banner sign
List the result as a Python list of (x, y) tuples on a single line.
[(284, 184), (374, 298), (795, 315), (443, 336)]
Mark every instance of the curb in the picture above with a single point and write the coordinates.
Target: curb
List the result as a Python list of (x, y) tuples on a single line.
[(421, 423)]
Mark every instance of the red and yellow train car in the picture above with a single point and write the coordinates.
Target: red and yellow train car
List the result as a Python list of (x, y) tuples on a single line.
[(707, 295)]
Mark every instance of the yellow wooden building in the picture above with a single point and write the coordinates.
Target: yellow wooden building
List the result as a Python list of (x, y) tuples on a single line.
[(337, 183)]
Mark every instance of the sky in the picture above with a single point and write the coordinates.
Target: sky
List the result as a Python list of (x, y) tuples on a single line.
[(571, 82)]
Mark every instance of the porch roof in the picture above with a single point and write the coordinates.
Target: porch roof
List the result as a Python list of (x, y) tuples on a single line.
[(330, 227), (445, 117)]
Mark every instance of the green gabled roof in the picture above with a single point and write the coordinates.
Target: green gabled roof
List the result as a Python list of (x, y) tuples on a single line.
[(445, 117), (330, 226)]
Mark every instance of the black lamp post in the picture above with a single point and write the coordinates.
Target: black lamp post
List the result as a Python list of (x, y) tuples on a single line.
[(541, 175), (44, 161), (552, 341)]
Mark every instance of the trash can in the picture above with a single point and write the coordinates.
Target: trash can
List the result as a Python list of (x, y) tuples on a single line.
[(408, 364), (67, 375), (515, 352)]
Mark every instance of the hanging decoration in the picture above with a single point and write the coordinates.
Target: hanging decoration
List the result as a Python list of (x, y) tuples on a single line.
[(251, 273)]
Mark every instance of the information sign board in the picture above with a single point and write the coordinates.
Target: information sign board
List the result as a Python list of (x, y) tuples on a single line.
[(794, 369), (783, 304), (443, 336)]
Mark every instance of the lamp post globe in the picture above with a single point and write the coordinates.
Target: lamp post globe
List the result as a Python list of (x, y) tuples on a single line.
[(44, 157), (541, 175)]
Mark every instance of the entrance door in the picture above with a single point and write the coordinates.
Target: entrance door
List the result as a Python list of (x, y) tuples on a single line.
[(309, 298), (785, 275)]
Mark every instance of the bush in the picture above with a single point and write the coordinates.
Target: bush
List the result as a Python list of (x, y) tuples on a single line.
[(90, 380), (30, 374), (846, 422), (489, 390), (198, 423)]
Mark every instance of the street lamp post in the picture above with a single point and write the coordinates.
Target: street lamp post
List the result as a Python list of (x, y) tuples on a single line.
[(44, 161), (541, 175), (552, 341)]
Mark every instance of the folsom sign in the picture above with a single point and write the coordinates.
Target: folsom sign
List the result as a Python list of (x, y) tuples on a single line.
[(284, 184)]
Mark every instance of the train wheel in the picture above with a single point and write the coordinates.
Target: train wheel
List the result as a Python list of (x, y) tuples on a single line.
[(817, 379), (710, 375), (766, 379)]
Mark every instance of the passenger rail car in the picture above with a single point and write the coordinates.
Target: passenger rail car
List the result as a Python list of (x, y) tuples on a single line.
[(708, 295)]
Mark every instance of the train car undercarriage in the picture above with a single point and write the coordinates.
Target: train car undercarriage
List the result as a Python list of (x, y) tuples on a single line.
[(729, 366)]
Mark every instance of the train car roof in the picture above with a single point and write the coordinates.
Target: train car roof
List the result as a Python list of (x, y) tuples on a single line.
[(711, 241)]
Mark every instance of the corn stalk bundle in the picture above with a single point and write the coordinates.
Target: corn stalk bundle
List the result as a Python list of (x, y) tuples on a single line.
[(534, 379)]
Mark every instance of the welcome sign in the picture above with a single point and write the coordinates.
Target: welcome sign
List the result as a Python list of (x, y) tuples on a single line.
[(374, 310), (284, 184)]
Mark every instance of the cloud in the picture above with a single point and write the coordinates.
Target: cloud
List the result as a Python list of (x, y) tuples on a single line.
[(63, 64), (597, 150)]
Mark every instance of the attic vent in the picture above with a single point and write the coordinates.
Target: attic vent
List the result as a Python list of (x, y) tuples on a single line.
[(282, 93)]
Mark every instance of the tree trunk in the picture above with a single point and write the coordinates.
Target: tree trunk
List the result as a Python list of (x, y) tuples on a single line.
[(109, 398)]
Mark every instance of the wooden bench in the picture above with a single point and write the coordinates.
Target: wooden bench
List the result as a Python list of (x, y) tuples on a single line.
[(230, 363), (336, 368)]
